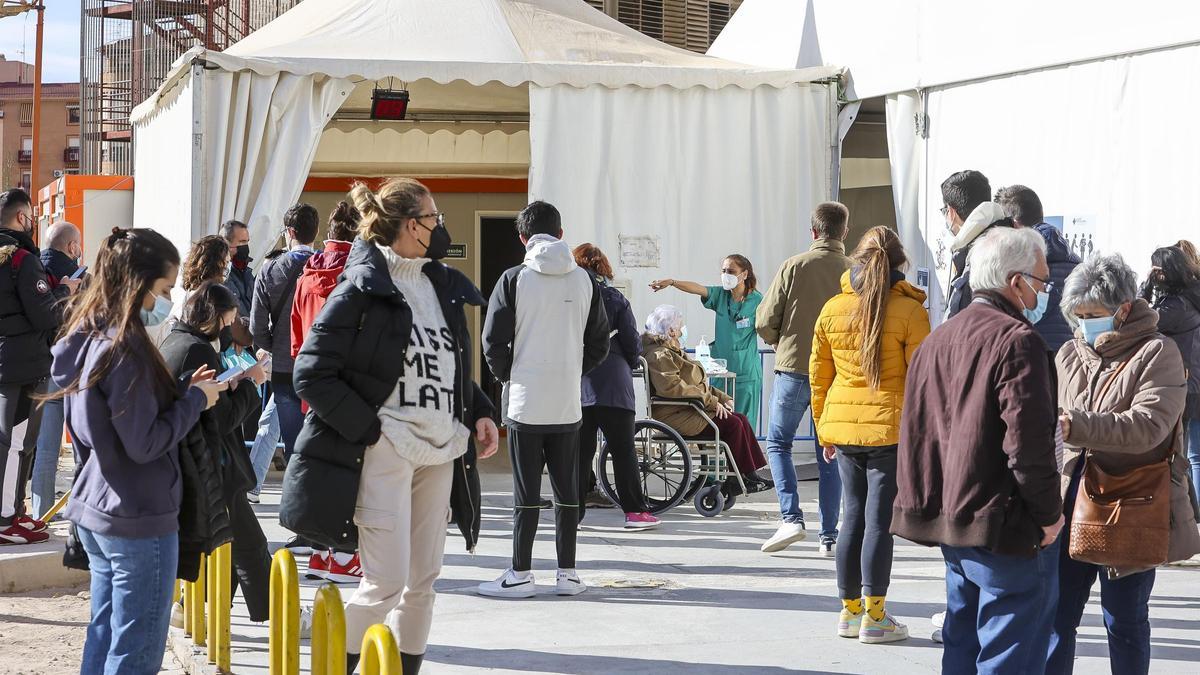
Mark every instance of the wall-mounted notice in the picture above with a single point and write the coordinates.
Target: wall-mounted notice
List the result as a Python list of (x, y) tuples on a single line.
[(1081, 235), (639, 250)]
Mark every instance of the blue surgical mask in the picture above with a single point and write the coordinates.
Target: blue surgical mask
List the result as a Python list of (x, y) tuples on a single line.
[(683, 335), (162, 310), (1094, 328), (1043, 300)]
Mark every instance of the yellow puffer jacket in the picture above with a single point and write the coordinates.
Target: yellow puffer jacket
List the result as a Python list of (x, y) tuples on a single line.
[(845, 409)]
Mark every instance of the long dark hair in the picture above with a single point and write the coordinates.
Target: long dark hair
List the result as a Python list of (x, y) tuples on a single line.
[(1176, 273), (203, 310), (878, 253), (205, 261), (128, 265)]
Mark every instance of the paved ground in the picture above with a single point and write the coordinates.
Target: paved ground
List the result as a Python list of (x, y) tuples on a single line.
[(697, 596)]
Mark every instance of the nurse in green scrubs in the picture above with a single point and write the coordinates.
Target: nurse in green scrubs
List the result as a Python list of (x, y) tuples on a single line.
[(734, 302)]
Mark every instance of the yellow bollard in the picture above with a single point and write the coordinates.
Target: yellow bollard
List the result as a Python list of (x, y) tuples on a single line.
[(62, 501), (175, 592), (380, 656), (328, 632), (284, 624), (196, 608), (219, 602), (189, 593)]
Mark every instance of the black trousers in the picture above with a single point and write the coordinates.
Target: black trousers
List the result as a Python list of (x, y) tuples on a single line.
[(17, 406), (617, 425), (864, 550), (532, 451), (251, 560)]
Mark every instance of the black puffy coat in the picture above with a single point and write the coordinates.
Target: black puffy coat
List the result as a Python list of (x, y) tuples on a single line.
[(350, 363), (1179, 319), (1053, 327), (213, 447), (29, 310)]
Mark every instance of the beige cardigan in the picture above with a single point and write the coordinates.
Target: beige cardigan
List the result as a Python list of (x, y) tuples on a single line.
[(1136, 422)]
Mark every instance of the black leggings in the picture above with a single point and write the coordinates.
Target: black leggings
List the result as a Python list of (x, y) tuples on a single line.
[(617, 425), (530, 452), (251, 560), (864, 549)]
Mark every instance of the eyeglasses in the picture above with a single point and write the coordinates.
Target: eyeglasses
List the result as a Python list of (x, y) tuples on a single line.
[(944, 210), (1046, 283), (441, 217)]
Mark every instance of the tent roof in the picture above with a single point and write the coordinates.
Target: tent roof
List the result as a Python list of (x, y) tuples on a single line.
[(546, 42), (890, 46)]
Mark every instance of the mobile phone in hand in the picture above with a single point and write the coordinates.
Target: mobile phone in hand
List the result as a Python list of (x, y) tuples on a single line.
[(230, 374), (79, 272)]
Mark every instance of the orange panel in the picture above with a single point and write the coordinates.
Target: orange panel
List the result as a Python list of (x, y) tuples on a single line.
[(437, 185)]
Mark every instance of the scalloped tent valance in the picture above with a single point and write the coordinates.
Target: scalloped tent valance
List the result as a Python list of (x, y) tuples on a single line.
[(514, 42)]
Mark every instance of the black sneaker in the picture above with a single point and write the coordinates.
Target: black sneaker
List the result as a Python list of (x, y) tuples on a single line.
[(828, 547), (299, 546)]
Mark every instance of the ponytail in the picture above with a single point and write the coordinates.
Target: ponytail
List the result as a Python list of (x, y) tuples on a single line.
[(877, 255)]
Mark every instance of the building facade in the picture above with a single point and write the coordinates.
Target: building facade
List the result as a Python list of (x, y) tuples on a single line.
[(687, 24), (60, 143)]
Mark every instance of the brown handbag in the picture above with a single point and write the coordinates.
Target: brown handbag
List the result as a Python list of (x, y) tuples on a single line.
[(1123, 521)]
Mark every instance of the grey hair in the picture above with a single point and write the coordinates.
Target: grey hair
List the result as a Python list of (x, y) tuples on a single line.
[(1103, 280), (1001, 253), (60, 234), (663, 319)]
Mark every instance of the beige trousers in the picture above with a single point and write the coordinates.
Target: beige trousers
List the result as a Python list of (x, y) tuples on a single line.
[(401, 516)]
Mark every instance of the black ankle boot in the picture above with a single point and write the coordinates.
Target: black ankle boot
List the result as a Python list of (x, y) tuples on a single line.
[(411, 663), (351, 663)]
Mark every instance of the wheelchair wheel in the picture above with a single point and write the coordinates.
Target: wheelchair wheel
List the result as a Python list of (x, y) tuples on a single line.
[(710, 502), (663, 462), (730, 500)]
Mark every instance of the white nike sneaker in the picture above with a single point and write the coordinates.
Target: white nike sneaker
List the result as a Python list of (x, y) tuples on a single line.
[(569, 583), (785, 536), (510, 585)]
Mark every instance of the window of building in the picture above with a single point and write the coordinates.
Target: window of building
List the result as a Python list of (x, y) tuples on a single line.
[(26, 114), (73, 115), (26, 180), (27, 144), (73, 142)]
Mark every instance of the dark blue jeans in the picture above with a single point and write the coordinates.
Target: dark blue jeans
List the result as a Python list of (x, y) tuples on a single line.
[(790, 399), (287, 407), (999, 610), (1125, 603)]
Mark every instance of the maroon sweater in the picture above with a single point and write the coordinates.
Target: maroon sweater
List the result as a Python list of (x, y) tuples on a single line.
[(976, 458)]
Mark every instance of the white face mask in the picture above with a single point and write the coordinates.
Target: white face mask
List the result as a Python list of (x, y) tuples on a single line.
[(729, 281)]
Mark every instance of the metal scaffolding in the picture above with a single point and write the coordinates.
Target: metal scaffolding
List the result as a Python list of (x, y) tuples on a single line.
[(127, 47)]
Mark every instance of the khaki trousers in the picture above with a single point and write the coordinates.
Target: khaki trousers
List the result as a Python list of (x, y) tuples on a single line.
[(401, 516)]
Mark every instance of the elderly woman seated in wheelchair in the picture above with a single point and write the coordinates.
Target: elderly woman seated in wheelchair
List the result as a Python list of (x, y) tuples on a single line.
[(685, 401)]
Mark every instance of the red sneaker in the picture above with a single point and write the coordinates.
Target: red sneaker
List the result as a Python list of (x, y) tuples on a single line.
[(15, 534), (318, 565), (348, 573), (31, 524)]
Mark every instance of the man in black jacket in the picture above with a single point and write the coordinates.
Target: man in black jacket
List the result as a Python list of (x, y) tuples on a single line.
[(64, 248), (29, 315), (546, 326), (271, 314)]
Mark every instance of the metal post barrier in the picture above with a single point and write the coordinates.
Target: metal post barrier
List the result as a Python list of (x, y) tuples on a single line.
[(194, 605), (58, 505), (284, 624), (380, 656), (219, 606), (328, 632)]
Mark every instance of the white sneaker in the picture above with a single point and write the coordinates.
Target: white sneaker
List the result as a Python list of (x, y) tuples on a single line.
[(938, 621), (177, 615), (252, 498), (569, 583), (785, 536), (828, 547), (305, 623), (510, 585)]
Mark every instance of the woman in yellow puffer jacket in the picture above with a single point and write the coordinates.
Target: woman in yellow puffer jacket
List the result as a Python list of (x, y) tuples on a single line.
[(863, 342)]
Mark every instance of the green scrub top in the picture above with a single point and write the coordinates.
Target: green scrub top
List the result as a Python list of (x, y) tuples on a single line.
[(737, 341)]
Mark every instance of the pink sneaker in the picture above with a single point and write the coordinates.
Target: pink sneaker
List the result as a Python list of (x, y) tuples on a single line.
[(641, 521)]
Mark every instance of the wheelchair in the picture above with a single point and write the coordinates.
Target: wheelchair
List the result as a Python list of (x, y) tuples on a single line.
[(674, 468)]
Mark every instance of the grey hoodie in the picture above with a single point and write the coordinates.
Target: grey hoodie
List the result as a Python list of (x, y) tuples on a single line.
[(546, 326), (126, 441)]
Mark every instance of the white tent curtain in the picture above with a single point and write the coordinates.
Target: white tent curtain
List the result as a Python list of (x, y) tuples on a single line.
[(906, 150), (256, 163), (162, 160), (708, 172)]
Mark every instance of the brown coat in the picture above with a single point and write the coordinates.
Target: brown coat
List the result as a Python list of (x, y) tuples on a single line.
[(788, 312), (673, 375), (976, 463), (1136, 421)]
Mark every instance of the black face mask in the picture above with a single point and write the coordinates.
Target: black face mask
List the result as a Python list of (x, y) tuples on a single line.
[(242, 253), (225, 338), (439, 243)]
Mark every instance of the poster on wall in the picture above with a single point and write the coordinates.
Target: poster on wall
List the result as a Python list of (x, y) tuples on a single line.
[(639, 250), (1081, 235)]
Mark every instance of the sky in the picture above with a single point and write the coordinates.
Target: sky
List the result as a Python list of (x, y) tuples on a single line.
[(60, 49)]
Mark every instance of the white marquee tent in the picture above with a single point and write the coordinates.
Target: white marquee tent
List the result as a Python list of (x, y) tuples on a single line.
[(1075, 98), (627, 135)]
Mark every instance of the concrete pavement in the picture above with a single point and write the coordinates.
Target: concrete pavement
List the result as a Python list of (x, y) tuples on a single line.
[(696, 596)]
